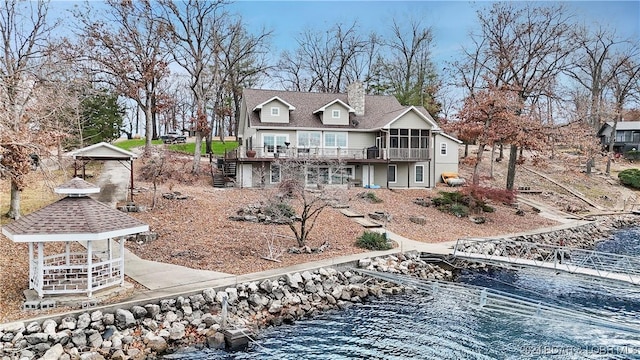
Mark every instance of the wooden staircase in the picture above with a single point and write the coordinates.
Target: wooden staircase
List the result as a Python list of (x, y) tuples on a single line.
[(227, 169)]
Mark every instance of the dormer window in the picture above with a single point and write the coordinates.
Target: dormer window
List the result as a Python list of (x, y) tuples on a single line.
[(275, 111), (335, 114)]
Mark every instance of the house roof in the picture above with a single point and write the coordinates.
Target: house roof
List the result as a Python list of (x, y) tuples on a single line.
[(72, 219), (625, 125), (259, 106), (451, 138), (379, 111), (102, 151), (324, 108)]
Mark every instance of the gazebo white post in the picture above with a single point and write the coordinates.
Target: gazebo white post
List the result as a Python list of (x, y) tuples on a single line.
[(40, 269), (67, 251), (110, 255), (89, 267), (122, 240), (31, 269)]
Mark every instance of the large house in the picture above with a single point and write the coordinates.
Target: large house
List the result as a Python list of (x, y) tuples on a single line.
[(627, 135), (375, 140)]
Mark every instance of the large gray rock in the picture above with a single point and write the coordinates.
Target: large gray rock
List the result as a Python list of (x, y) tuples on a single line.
[(108, 319), (95, 340), (84, 320), (152, 310), (33, 327), (15, 327), (156, 343), (177, 331), (125, 319), (36, 338), (276, 307), (232, 294), (138, 312), (49, 326), (61, 337), (91, 356), (209, 295), (310, 287), (68, 323), (216, 341), (293, 280), (96, 316), (79, 338), (54, 353), (118, 355), (266, 286)]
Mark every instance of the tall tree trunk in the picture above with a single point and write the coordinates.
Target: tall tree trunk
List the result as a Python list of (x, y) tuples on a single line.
[(501, 152), (476, 178), (148, 132), (511, 168), (493, 150), (466, 150), (612, 139), (196, 153), (14, 205)]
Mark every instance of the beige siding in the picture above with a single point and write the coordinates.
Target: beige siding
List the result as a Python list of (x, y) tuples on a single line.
[(327, 115), (410, 120), (448, 162), (361, 140), (425, 174), (265, 113)]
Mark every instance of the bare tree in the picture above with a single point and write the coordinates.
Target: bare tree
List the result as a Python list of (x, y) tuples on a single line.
[(325, 61), (302, 187), (522, 48), (25, 98), (407, 70), (625, 84), (195, 40), (124, 50)]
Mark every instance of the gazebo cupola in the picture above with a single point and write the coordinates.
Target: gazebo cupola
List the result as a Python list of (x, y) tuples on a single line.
[(75, 218)]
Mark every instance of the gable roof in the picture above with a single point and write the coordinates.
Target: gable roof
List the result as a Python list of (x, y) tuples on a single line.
[(322, 109), (424, 115), (259, 106), (102, 151), (379, 109)]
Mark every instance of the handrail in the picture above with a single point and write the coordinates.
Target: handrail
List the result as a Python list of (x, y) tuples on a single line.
[(561, 258)]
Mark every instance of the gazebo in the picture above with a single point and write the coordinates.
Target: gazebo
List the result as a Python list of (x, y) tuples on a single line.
[(103, 152), (76, 217)]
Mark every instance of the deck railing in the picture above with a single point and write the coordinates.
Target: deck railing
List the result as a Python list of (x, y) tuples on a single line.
[(337, 153)]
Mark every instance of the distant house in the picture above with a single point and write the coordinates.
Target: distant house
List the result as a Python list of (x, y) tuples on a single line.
[(627, 135), (377, 140)]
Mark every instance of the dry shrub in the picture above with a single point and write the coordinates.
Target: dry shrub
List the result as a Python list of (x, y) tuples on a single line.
[(175, 168)]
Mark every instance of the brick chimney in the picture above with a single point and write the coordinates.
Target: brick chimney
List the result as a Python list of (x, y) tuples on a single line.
[(355, 97)]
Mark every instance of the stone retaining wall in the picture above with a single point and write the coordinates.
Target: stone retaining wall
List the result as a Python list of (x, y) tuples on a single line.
[(583, 236), (143, 332)]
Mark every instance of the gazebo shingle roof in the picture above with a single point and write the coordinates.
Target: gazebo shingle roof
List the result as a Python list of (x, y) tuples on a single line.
[(73, 218)]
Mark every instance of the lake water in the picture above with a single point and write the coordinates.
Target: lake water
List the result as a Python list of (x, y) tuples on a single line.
[(416, 326)]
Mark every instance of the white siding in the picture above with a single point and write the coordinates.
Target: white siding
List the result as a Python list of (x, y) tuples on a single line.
[(448, 162), (410, 120)]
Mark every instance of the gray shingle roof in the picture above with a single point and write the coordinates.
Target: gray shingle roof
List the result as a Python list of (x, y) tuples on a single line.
[(77, 186), (379, 110), (73, 218)]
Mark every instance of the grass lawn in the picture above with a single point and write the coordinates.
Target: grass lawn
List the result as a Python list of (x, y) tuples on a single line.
[(133, 143), (218, 147)]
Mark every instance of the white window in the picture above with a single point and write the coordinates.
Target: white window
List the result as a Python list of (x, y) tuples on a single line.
[(274, 143), (335, 140), (392, 172), (309, 139), (443, 148), (274, 175), (419, 173), (275, 111), (335, 114)]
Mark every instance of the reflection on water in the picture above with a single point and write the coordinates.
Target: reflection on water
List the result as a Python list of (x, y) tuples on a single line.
[(412, 326)]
